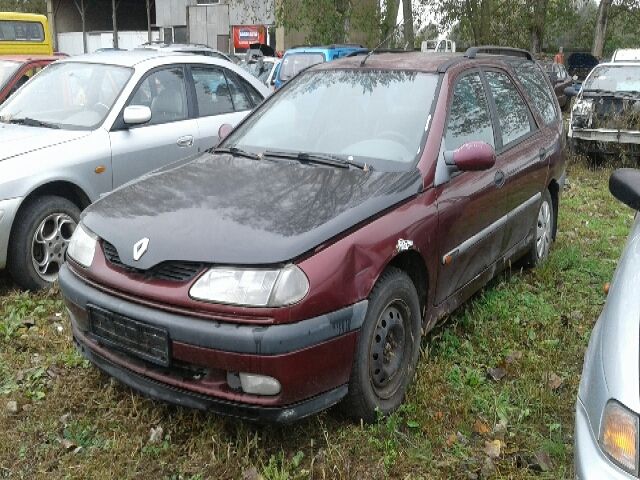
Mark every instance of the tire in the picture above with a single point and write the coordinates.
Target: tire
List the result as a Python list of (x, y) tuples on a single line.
[(41, 234), (544, 228), (381, 373)]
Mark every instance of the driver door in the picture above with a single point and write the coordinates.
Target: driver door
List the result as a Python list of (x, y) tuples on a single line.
[(170, 136)]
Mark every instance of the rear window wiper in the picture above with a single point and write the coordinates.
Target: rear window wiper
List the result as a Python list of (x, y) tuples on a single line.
[(237, 152), (31, 122), (320, 158)]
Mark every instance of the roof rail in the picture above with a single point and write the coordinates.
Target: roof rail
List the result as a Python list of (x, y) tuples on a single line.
[(472, 52)]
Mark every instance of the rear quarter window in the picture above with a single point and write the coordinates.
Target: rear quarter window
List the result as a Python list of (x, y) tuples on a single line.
[(535, 84)]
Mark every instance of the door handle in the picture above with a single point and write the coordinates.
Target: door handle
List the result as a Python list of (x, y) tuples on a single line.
[(186, 141), (500, 179)]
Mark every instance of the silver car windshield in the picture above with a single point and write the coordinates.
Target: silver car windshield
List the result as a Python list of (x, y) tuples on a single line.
[(610, 78), (375, 117), (70, 95), (7, 70)]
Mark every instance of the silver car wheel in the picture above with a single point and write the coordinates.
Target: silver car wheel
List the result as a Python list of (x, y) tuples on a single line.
[(543, 232), (49, 245)]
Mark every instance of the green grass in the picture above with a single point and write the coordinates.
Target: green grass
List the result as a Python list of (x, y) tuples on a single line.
[(532, 324)]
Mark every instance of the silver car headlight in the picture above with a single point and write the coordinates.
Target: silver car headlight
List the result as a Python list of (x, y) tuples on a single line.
[(619, 436), (252, 287), (82, 246), (583, 107)]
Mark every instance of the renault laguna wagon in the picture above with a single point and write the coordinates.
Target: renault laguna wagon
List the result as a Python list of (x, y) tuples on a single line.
[(298, 264)]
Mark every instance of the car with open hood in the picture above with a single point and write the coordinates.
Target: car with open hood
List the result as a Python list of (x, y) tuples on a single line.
[(605, 118), (607, 429), (297, 264), (88, 124)]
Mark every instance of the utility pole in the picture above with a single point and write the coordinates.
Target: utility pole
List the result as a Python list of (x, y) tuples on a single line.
[(114, 17), (149, 20)]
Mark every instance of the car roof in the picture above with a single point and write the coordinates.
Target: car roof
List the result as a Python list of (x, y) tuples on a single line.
[(620, 63), (29, 58), (324, 48), (131, 58)]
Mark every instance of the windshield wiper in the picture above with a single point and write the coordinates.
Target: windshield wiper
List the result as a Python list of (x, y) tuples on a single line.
[(31, 122), (320, 158), (237, 152)]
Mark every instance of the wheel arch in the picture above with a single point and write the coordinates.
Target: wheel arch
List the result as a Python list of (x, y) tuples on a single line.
[(413, 264)]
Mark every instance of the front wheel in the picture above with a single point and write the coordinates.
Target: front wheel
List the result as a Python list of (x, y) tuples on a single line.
[(388, 348), (543, 231), (39, 241)]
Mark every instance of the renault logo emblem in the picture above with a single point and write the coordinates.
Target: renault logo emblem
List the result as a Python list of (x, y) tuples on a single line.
[(140, 248)]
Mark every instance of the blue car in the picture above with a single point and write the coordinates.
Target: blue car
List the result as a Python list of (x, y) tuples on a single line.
[(299, 58)]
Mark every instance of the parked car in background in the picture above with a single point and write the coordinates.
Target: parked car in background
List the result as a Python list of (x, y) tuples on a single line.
[(607, 430), (16, 70), (297, 264), (263, 68), (606, 113), (442, 45), (192, 48), (560, 80), (88, 124), (297, 59), (580, 64), (626, 55), (24, 34)]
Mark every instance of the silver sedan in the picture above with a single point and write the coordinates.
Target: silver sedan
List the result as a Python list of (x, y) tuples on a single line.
[(86, 125), (608, 405)]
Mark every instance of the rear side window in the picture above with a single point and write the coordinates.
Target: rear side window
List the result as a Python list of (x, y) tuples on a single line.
[(241, 101), (512, 111), (212, 92), (533, 80), (469, 118)]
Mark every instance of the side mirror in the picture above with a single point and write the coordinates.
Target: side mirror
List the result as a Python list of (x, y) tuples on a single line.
[(624, 184), (136, 115), (471, 157), (224, 131)]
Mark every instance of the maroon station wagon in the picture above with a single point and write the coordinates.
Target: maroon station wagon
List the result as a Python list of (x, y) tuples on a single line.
[(16, 70), (298, 264)]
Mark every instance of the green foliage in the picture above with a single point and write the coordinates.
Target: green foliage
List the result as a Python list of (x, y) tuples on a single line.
[(28, 6)]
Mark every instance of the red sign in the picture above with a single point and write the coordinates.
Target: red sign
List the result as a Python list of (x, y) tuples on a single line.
[(245, 35)]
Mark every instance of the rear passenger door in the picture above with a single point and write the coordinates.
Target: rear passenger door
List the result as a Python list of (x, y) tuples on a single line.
[(472, 206), (221, 97), (522, 157)]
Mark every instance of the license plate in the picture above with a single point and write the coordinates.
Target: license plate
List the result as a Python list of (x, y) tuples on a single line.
[(131, 336)]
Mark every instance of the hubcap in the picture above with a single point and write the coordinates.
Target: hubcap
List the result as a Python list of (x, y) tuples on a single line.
[(388, 349), (543, 233), (50, 242)]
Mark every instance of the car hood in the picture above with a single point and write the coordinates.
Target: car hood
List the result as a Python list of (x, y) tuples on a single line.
[(19, 139), (223, 210)]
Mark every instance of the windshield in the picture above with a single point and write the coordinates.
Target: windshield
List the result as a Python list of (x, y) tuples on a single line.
[(373, 117), (293, 63), (68, 95), (7, 69), (624, 78)]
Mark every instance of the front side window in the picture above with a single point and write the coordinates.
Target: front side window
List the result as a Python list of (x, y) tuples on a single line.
[(71, 95), (212, 92), (164, 92), (512, 111), (20, 31), (469, 117), (293, 63), (534, 82), (373, 117), (7, 70)]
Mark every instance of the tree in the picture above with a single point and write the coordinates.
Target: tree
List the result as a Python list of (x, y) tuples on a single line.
[(601, 28), (407, 15), (29, 6)]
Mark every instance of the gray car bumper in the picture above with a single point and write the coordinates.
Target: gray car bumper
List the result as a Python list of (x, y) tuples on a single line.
[(590, 462), (8, 210)]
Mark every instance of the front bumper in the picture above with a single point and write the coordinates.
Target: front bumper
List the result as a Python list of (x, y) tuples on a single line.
[(311, 359), (8, 210), (605, 135), (589, 461)]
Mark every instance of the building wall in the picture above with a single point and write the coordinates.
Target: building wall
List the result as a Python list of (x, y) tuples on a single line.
[(241, 12), (132, 15)]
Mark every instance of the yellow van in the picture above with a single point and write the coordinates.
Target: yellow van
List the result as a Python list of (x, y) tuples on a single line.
[(24, 33)]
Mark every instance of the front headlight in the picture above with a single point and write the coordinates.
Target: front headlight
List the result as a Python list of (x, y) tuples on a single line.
[(619, 436), (82, 246), (583, 107), (252, 287)]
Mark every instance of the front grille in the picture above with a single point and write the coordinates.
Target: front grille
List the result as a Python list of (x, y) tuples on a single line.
[(172, 271)]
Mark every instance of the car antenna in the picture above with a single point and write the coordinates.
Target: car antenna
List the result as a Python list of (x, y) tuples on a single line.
[(375, 49)]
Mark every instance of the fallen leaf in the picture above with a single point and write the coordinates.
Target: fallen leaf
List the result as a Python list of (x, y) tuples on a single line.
[(555, 381), (12, 407), (488, 468), (67, 444), (496, 374), (64, 419), (28, 322), (155, 436), (541, 462), (452, 440), (480, 427), (439, 415), (492, 449)]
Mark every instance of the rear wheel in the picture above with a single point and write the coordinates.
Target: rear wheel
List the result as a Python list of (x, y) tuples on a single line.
[(39, 241), (543, 231), (388, 348)]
